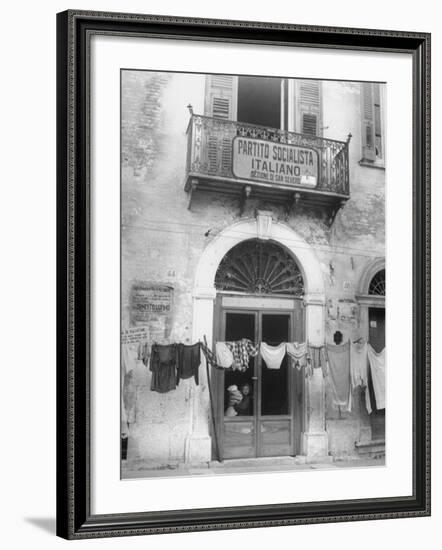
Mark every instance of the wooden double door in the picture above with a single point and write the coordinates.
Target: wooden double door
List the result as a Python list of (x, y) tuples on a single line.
[(268, 419)]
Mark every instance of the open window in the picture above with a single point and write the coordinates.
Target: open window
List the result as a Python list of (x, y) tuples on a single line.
[(279, 103)]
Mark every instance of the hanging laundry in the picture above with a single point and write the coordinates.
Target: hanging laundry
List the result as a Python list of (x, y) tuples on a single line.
[(125, 363), (124, 422), (224, 356), (297, 353), (209, 356), (273, 355), (317, 358), (189, 360), (339, 370), (163, 363), (129, 356), (359, 370), (358, 363), (129, 360), (242, 350), (144, 349), (129, 396), (377, 369)]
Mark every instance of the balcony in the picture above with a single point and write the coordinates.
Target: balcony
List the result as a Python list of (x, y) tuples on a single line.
[(276, 165)]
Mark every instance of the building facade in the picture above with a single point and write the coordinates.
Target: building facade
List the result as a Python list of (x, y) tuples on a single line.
[(252, 207)]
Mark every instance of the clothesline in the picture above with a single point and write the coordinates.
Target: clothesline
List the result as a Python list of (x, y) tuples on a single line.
[(235, 355), (346, 365), (169, 363)]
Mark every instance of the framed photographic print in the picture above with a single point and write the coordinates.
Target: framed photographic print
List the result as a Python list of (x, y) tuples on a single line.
[(243, 274)]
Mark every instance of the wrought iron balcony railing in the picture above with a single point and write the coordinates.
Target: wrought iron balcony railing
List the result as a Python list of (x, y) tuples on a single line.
[(236, 157)]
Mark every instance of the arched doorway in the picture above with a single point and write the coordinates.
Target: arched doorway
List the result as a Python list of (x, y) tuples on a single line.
[(376, 337), (371, 297), (259, 298), (205, 323)]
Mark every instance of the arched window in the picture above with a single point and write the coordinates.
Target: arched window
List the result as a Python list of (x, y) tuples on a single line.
[(377, 284), (259, 267)]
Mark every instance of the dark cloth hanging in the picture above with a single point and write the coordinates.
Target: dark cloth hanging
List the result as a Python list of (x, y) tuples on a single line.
[(317, 358), (163, 365), (189, 359)]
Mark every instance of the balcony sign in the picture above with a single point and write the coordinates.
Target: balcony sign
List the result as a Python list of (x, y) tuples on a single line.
[(270, 162)]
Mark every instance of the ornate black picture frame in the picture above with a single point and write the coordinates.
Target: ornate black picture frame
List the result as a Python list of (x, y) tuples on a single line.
[(74, 517)]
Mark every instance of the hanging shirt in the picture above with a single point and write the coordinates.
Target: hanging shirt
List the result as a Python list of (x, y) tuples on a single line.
[(358, 364), (241, 351), (297, 353), (189, 359), (339, 370), (317, 358), (163, 363), (359, 370), (273, 355), (377, 369), (124, 422), (129, 356), (144, 349), (224, 356)]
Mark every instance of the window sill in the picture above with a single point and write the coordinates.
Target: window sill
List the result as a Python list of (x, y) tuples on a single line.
[(368, 164)]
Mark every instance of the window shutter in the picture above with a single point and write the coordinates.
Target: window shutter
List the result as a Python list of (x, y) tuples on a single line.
[(368, 122), (377, 121), (309, 107), (309, 124), (220, 102), (221, 96)]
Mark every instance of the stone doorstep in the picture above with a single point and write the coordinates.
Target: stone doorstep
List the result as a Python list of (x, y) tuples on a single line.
[(142, 465), (269, 461), (373, 448)]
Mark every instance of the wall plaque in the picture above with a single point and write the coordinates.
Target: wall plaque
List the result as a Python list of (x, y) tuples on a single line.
[(148, 301)]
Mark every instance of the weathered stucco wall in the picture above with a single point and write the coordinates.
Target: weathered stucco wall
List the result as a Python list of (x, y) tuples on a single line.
[(162, 241)]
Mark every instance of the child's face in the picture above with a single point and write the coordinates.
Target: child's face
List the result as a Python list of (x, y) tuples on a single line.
[(245, 389)]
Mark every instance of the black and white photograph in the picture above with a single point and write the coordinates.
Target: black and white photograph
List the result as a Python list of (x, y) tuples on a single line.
[(253, 274), (220, 217)]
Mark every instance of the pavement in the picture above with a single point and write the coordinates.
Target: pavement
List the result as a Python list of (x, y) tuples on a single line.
[(245, 466)]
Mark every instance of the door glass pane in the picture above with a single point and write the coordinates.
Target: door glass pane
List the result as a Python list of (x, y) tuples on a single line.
[(275, 382), (376, 334), (238, 385)]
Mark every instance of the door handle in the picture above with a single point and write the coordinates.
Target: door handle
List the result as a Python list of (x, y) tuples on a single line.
[(254, 378)]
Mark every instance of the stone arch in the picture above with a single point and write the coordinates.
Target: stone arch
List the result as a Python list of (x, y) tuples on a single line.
[(314, 437), (250, 229), (369, 272)]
